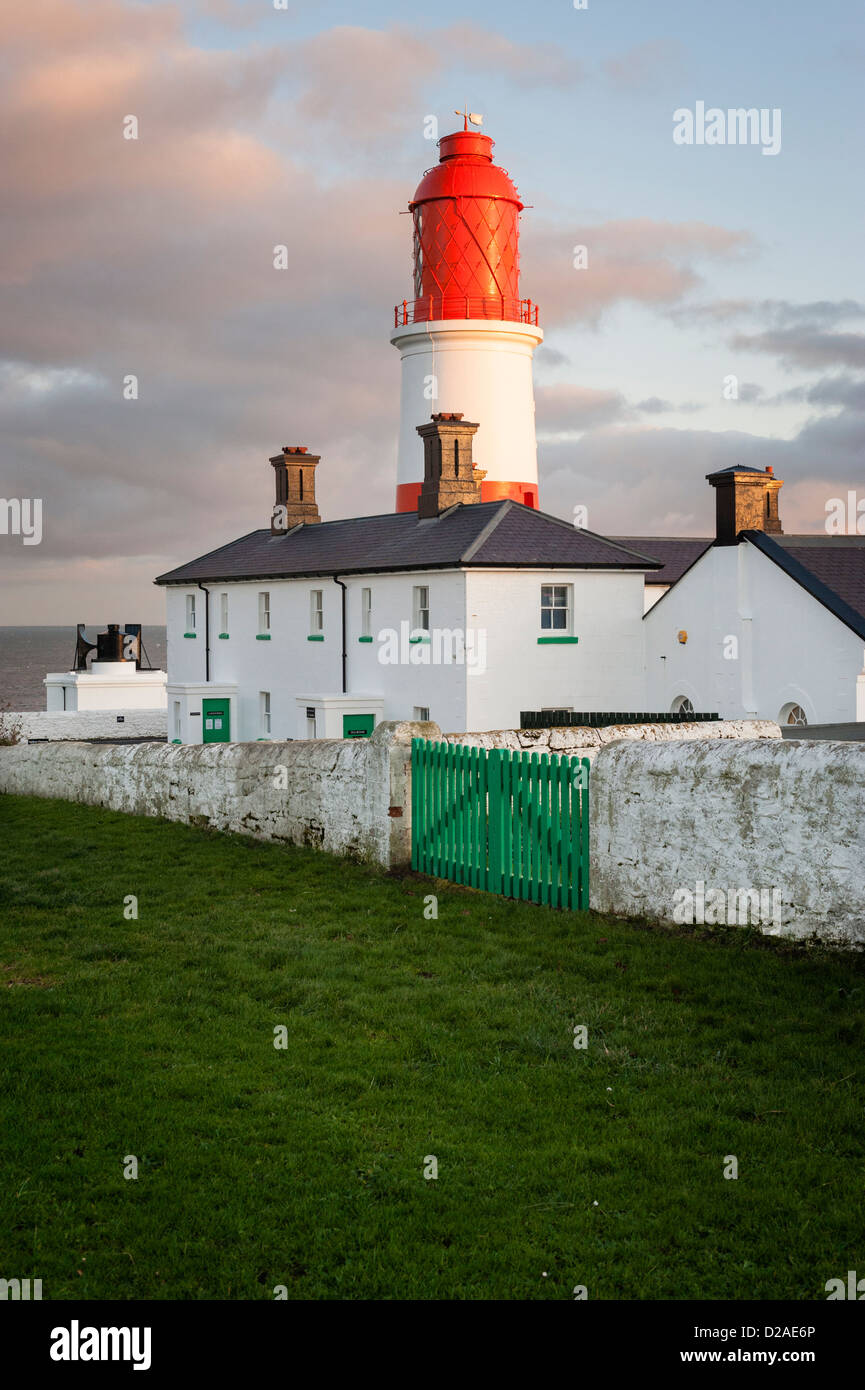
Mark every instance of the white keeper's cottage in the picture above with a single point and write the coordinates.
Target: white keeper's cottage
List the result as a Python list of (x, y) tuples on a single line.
[(461, 611)]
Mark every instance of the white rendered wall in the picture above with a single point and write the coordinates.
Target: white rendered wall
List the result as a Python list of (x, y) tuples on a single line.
[(189, 695), (764, 814), (289, 664), (603, 671), (414, 681), (331, 711), (790, 649), (108, 685), (62, 725), (483, 370)]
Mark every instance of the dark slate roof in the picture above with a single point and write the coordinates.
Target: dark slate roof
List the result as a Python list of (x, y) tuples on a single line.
[(831, 568), (740, 468), (676, 553), (487, 534)]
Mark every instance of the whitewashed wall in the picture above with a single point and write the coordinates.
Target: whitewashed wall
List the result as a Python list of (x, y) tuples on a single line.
[(603, 671), (348, 797), (791, 650), (289, 664), (82, 724), (587, 743), (768, 814), (483, 369)]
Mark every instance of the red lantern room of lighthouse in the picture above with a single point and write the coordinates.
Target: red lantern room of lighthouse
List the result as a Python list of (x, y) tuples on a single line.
[(466, 339)]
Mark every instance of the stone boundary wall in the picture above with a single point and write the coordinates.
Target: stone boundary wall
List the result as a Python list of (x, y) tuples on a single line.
[(589, 742), (350, 797), (786, 818), (675, 816), (63, 725)]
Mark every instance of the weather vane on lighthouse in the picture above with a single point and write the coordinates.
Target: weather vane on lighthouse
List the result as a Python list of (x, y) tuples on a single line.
[(467, 115)]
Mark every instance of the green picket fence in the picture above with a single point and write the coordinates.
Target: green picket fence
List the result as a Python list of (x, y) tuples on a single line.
[(511, 823)]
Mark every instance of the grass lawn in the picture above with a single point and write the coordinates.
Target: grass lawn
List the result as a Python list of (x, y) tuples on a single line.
[(303, 1166)]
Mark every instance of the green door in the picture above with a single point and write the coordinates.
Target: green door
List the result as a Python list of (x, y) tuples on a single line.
[(214, 717), (357, 725)]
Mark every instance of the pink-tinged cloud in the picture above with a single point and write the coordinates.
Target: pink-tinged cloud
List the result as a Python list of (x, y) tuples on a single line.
[(641, 260)]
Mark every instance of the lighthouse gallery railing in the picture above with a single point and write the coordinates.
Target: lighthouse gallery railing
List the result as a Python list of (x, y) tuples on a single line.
[(457, 306)]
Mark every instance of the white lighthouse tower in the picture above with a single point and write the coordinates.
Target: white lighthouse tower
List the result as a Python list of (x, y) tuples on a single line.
[(467, 339)]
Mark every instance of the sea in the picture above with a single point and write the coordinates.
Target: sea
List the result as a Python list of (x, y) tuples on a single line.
[(27, 654)]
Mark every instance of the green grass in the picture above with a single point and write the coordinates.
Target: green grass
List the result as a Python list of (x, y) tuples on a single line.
[(406, 1038)]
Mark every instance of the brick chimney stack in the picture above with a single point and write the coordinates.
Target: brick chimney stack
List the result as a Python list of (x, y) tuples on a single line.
[(295, 489), (746, 499), (449, 475)]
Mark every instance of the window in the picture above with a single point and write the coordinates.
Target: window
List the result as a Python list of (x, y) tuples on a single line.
[(421, 714), (177, 719), (190, 612), (366, 612), (264, 712), (264, 613), (556, 608), (420, 614), (682, 705), (316, 610), (793, 714), (223, 612)]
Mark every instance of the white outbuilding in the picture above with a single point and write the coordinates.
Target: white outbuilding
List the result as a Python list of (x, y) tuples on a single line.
[(759, 625)]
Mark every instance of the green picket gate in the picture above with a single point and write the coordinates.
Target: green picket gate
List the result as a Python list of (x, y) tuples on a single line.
[(511, 823)]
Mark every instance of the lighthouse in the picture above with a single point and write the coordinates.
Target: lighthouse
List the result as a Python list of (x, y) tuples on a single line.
[(466, 338)]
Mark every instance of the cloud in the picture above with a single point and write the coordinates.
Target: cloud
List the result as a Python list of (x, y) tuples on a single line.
[(238, 14), (774, 313), (571, 408), (638, 260), (845, 391), (546, 356), (803, 347), (750, 392), (566, 408)]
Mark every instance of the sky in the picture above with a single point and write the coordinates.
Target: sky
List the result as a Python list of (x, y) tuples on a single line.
[(304, 126)]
